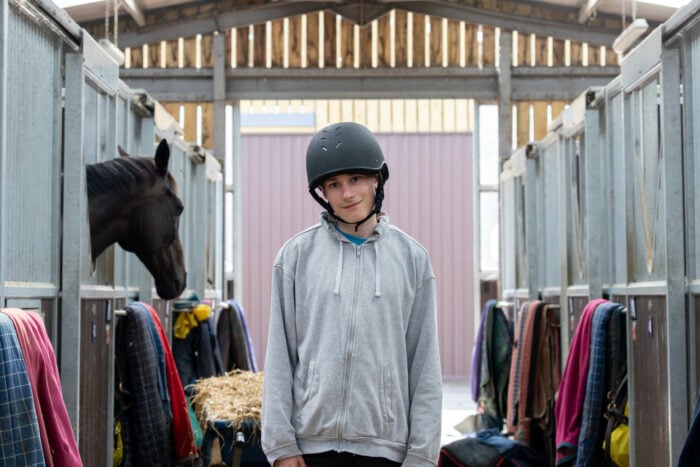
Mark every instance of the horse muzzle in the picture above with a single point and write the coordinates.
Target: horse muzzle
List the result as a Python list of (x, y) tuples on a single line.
[(167, 266)]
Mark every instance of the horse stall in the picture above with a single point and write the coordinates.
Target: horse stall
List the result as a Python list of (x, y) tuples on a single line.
[(628, 167), (515, 278), (82, 115), (30, 158), (682, 60), (549, 193)]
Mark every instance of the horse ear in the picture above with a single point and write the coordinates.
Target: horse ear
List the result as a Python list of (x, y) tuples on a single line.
[(122, 152), (162, 157)]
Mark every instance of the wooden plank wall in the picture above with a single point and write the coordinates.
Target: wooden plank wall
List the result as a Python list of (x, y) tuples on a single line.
[(398, 39)]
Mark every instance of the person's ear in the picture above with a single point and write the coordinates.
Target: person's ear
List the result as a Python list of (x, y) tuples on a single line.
[(375, 178), (322, 191)]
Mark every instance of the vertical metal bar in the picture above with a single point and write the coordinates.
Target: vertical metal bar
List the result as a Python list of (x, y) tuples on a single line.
[(504, 95), (4, 11), (74, 208), (197, 277), (531, 223), (218, 244), (594, 233), (564, 249), (675, 301), (146, 146), (237, 220)]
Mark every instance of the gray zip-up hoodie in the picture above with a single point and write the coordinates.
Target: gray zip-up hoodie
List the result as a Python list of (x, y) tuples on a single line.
[(352, 358)]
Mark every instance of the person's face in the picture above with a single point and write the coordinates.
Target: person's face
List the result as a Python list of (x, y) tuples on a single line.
[(350, 195)]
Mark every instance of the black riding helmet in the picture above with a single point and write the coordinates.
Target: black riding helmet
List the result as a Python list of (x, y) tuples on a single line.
[(345, 147)]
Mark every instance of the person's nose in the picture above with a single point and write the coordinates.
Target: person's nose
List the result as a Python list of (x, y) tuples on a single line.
[(348, 193)]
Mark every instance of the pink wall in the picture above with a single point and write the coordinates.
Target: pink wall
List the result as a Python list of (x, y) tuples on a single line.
[(429, 196)]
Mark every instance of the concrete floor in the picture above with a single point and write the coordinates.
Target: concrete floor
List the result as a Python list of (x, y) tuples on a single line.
[(457, 404)]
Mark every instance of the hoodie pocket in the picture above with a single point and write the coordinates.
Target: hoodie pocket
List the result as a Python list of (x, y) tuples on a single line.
[(388, 390), (310, 384)]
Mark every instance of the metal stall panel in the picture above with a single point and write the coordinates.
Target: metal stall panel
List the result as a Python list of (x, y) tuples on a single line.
[(648, 287), (88, 293), (203, 182), (135, 135), (30, 184), (212, 247), (181, 169), (507, 221), (552, 246), (573, 182), (645, 231), (517, 172), (99, 145), (551, 195), (689, 38), (521, 258), (98, 277), (619, 188), (515, 180), (648, 377)]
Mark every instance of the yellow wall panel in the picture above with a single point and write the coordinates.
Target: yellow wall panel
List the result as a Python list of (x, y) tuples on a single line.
[(322, 118), (436, 119), (401, 38), (347, 44), (360, 111), (189, 52), (242, 46), (418, 40), (540, 119), (295, 41), (436, 49), (373, 114), (207, 125), (136, 54), (449, 115), (259, 45), (411, 115), (385, 120), (312, 43), (489, 46), (576, 53), (330, 39), (277, 44), (453, 45), (189, 125), (523, 122), (365, 46), (398, 114)]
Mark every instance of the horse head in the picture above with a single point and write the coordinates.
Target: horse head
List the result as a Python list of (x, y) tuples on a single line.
[(133, 201)]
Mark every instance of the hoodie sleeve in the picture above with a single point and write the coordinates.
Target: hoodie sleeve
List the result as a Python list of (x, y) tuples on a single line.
[(424, 378), (278, 433)]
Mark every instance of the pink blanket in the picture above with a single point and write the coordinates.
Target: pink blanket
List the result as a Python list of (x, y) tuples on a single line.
[(572, 391), (57, 438)]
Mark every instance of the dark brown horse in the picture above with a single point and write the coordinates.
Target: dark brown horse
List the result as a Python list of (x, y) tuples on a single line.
[(133, 201)]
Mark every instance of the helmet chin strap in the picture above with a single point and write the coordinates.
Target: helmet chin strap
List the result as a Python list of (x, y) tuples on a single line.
[(378, 198)]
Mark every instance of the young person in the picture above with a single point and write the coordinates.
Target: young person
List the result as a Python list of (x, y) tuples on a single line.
[(352, 371)]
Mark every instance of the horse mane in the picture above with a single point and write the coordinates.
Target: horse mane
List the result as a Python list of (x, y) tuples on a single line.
[(122, 175)]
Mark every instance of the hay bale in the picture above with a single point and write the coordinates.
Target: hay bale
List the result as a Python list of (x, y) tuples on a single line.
[(235, 398)]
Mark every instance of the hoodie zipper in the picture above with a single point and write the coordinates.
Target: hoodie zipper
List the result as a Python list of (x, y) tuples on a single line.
[(349, 349)]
